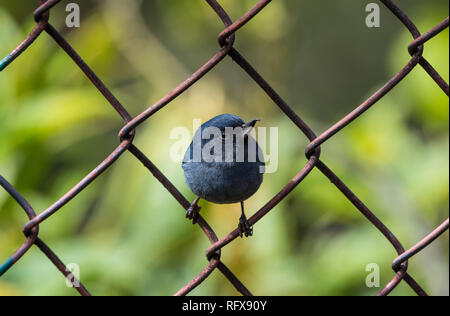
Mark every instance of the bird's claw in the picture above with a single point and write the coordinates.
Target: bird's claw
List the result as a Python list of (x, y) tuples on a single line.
[(192, 212), (245, 228)]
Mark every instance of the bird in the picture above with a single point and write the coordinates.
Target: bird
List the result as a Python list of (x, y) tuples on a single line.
[(224, 165)]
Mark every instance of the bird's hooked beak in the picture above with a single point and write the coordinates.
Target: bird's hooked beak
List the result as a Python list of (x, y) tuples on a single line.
[(247, 127)]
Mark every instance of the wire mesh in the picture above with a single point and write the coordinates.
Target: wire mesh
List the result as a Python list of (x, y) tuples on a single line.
[(126, 136)]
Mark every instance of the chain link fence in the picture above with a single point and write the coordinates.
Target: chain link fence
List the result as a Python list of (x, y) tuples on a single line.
[(226, 40)]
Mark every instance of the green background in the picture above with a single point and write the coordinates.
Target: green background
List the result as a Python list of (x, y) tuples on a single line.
[(129, 235)]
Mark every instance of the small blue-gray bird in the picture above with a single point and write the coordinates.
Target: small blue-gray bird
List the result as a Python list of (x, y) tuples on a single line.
[(224, 165)]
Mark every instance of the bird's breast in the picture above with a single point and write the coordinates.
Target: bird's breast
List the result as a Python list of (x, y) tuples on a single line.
[(223, 182)]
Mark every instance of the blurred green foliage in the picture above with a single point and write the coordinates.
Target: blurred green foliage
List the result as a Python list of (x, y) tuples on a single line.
[(129, 235)]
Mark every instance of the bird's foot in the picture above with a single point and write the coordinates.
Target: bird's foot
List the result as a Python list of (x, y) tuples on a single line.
[(244, 227), (193, 211)]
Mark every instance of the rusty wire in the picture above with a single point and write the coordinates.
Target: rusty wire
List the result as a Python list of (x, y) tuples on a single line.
[(226, 40)]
